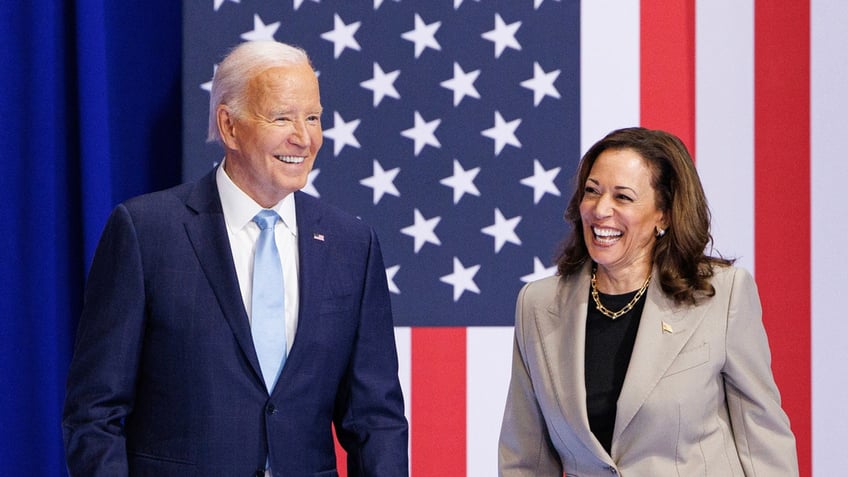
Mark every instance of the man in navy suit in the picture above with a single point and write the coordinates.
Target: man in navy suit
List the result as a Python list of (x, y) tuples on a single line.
[(166, 380)]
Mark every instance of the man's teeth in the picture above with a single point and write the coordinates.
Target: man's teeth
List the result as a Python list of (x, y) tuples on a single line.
[(290, 159)]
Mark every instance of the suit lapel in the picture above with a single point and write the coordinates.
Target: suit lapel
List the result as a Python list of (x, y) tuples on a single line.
[(562, 331), (208, 235), (313, 243), (663, 331)]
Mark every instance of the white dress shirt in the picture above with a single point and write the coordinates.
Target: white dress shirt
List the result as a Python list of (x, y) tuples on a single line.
[(239, 210)]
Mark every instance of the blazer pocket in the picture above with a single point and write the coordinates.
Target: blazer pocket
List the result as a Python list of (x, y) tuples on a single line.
[(689, 359), (145, 464)]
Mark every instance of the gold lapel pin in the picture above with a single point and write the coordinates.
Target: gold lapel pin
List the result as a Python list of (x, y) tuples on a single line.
[(666, 328)]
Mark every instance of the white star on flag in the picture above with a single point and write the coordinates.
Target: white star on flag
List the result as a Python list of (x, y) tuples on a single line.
[(462, 84), (423, 133), (309, 188), (461, 181), (503, 230), (458, 3), (503, 133), (390, 277), (378, 3), (422, 230), (342, 35), (424, 35), (539, 271), (461, 279), (207, 86), (382, 84), (382, 182), (503, 35), (542, 181), (542, 84), (218, 3), (298, 3), (261, 31), (342, 133), (538, 3)]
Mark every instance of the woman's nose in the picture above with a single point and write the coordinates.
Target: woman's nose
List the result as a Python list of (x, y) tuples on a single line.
[(603, 207)]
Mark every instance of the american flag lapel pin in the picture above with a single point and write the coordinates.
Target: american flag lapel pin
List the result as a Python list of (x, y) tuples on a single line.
[(318, 236)]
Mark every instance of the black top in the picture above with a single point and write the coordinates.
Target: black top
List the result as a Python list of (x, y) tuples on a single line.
[(609, 344)]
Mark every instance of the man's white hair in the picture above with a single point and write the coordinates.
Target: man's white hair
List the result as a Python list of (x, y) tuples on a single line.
[(242, 64)]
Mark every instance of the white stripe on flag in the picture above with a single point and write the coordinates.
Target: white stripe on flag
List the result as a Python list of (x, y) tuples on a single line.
[(724, 122), (489, 362), (829, 174), (609, 68), (403, 342)]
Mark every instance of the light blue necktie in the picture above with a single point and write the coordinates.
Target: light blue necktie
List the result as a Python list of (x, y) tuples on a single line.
[(268, 323)]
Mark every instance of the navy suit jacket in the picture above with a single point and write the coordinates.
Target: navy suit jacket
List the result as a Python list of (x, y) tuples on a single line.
[(165, 379)]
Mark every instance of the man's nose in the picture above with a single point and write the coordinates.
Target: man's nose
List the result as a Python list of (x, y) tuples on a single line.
[(300, 135)]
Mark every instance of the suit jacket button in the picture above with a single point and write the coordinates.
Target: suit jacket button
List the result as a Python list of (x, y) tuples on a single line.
[(271, 410)]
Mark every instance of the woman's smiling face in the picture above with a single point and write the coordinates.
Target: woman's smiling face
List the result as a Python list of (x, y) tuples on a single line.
[(619, 211)]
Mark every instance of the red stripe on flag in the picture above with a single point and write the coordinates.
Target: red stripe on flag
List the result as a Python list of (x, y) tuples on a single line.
[(667, 67), (438, 401), (782, 201), (341, 456)]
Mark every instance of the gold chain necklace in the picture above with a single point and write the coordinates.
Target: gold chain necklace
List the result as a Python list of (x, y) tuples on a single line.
[(615, 314)]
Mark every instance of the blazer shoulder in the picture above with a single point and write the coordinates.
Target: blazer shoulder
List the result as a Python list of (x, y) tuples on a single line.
[(158, 198), (199, 196), (540, 290), (727, 277), (311, 210), (539, 295)]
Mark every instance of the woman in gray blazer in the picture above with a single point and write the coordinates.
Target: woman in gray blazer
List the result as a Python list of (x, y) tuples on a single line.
[(644, 356)]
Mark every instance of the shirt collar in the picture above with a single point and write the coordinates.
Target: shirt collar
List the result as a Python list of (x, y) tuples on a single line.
[(239, 208)]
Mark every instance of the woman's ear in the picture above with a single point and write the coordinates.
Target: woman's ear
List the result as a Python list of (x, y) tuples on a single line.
[(662, 226)]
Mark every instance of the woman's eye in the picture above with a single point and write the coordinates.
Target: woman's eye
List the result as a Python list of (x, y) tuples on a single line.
[(625, 198), (590, 190)]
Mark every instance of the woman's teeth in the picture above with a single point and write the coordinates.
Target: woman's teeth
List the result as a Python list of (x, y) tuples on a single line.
[(606, 235)]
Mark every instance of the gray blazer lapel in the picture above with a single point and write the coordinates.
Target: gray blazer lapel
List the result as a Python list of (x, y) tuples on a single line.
[(562, 331), (663, 331)]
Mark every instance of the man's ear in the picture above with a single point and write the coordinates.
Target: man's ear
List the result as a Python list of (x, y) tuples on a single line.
[(226, 126)]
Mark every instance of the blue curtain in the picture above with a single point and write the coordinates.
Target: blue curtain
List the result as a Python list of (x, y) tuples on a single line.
[(91, 93)]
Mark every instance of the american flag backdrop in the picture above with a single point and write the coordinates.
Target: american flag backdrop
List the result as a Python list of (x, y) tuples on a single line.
[(454, 127)]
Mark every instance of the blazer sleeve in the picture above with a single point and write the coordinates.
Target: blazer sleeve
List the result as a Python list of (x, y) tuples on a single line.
[(101, 378), (524, 448), (369, 418), (761, 429)]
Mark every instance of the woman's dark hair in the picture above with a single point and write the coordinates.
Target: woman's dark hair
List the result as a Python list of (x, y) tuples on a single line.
[(680, 255)]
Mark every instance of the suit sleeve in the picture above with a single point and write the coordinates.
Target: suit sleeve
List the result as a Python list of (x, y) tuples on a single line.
[(370, 421), (761, 429), (524, 448), (101, 378)]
